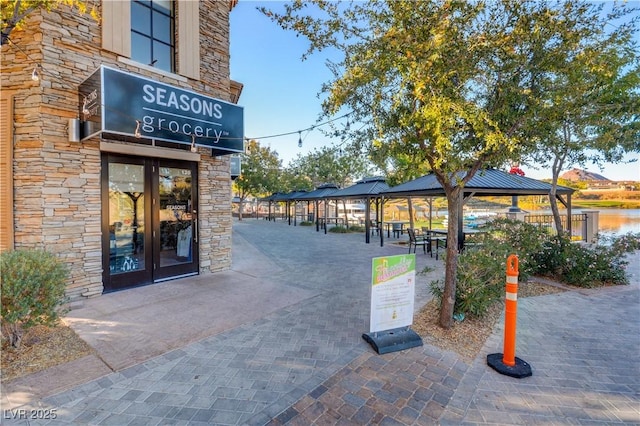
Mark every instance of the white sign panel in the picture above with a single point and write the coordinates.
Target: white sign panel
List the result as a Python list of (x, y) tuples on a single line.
[(392, 292)]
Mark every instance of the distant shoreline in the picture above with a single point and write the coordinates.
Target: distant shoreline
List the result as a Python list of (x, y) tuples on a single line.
[(606, 204), (587, 204)]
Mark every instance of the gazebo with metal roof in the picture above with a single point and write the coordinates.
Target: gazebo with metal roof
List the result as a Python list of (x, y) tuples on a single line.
[(318, 195), (273, 198), (369, 189), (292, 198), (488, 182)]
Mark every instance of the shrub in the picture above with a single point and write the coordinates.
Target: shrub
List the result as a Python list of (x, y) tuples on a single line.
[(622, 244), (480, 276), (338, 229), (33, 286), (552, 258), (481, 268), (306, 223), (585, 266), (480, 283)]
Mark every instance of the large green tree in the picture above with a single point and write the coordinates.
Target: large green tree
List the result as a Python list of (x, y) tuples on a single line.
[(443, 86), (338, 165), (259, 175), (588, 86), (331, 165)]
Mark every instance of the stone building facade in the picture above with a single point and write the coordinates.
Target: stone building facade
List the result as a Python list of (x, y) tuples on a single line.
[(66, 196)]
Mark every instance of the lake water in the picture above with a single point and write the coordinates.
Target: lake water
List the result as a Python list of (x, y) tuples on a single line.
[(618, 221), (610, 221)]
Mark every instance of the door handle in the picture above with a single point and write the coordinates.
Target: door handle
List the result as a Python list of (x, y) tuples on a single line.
[(195, 223)]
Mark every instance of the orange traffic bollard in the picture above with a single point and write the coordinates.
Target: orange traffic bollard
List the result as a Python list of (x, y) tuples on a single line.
[(511, 312), (507, 363)]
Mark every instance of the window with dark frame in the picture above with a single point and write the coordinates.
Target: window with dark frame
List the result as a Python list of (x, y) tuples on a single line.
[(152, 33)]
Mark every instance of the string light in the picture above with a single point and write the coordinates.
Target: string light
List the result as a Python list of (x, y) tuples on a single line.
[(308, 129), (136, 133), (299, 139)]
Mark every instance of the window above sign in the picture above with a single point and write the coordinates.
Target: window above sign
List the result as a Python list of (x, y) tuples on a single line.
[(153, 34), (166, 32)]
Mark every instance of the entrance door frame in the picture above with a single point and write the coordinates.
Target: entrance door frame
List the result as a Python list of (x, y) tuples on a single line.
[(152, 273), (161, 273)]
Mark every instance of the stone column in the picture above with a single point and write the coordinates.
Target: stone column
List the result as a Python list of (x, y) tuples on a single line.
[(591, 226)]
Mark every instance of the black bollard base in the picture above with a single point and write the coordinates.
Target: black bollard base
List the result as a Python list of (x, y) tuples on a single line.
[(520, 370), (397, 339)]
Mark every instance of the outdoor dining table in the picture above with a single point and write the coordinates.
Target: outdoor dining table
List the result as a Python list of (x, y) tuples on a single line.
[(389, 226), (336, 220), (439, 237)]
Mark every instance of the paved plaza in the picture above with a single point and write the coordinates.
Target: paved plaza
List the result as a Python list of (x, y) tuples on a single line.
[(278, 340)]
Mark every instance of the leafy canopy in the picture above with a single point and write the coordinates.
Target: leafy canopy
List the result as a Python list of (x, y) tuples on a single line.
[(260, 171), (13, 12), (449, 86)]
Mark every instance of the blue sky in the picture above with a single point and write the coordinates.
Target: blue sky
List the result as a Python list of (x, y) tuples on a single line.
[(280, 93)]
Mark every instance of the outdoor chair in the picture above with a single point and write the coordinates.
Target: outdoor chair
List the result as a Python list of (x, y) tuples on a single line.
[(426, 235), (415, 241)]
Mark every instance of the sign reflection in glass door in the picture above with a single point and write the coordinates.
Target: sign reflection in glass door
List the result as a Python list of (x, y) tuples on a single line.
[(176, 216)]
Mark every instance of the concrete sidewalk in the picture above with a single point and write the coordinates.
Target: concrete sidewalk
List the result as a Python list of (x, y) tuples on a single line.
[(277, 340)]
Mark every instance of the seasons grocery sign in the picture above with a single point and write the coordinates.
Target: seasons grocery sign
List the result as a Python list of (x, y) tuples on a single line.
[(117, 102)]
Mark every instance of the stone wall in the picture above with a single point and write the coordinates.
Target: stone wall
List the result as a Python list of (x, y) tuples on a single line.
[(57, 203)]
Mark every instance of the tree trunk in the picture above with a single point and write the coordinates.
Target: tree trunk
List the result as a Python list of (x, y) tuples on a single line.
[(553, 201), (558, 164), (451, 259), (13, 333), (346, 215), (555, 211), (410, 206), (240, 208)]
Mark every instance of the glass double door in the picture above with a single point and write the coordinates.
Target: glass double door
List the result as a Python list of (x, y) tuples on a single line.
[(149, 223)]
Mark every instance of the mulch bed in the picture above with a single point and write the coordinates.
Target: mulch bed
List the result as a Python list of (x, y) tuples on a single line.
[(42, 347), (467, 337)]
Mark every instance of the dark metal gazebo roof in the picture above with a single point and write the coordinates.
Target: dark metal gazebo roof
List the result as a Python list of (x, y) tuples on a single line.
[(272, 197), (490, 182), (289, 196), (367, 187), (322, 191)]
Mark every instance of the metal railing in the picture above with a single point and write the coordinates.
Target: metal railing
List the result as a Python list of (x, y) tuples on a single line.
[(578, 224)]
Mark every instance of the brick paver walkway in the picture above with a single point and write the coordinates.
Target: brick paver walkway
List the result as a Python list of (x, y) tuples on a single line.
[(306, 364)]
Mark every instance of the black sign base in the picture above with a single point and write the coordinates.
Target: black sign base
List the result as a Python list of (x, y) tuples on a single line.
[(520, 370), (397, 339)]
